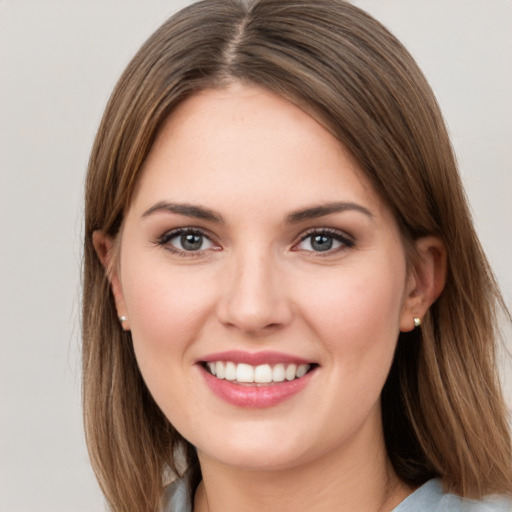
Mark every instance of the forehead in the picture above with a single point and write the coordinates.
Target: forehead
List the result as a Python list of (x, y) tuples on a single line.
[(247, 143)]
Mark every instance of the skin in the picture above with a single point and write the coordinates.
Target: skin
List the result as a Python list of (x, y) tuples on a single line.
[(258, 284)]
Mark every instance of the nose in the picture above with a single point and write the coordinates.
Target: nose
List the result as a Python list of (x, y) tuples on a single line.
[(254, 299)]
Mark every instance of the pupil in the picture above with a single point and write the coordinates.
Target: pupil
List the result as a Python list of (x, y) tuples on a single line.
[(321, 243), (191, 242)]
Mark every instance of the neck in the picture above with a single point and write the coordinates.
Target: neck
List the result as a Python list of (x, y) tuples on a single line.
[(354, 477)]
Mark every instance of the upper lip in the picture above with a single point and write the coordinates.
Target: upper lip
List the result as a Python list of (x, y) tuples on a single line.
[(254, 358)]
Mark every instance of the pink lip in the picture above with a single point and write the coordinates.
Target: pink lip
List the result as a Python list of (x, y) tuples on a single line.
[(252, 396), (254, 359)]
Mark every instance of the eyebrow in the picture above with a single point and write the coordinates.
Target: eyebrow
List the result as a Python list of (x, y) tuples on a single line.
[(188, 210), (315, 212)]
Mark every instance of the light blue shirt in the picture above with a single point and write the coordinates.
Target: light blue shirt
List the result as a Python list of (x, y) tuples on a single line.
[(428, 498)]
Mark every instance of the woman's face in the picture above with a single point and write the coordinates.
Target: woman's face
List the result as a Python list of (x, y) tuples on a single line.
[(255, 249)]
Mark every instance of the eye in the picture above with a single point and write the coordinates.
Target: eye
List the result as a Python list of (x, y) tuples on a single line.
[(325, 240), (185, 240)]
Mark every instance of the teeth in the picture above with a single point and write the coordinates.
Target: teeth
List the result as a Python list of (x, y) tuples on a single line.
[(262, 374), (230, 371), (244, 373), (220, 370), (212, 367), (302, 370), (291, 372), (278, 373)]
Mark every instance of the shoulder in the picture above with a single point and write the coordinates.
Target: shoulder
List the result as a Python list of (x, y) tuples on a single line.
[(176, 497), (430, 497)]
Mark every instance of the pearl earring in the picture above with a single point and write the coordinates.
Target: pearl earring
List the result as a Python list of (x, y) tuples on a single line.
[(417, 322), (123, 319)]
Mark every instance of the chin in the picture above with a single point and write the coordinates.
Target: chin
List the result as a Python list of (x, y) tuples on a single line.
[(257, 460), (261, 451)]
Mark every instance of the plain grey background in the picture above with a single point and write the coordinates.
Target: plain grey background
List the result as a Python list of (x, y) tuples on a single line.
[(59, 60)]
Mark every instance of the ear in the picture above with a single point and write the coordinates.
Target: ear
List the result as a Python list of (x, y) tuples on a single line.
[(426, 280), (107, 251)]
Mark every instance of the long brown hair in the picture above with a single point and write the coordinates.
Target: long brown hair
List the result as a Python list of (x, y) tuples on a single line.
[(443, 412)]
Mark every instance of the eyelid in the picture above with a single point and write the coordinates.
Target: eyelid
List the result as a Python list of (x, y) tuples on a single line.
[(345, 239), (164, 239)]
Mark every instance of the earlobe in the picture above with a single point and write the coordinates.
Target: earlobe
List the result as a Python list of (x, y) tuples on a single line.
[(426, 281), (107, 251)]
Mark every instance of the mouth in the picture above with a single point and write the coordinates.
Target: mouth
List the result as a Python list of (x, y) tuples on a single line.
[(257, 375), (257, 380)]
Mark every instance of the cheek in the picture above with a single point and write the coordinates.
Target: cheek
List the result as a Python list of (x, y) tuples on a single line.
[(357, 319), (167, 309), (357, 313)]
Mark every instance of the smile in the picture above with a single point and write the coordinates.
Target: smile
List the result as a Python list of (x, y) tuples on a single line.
[(257, 380), (243, 373)]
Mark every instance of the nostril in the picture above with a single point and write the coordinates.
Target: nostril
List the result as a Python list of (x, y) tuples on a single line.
[(252, 299), (254, 316)]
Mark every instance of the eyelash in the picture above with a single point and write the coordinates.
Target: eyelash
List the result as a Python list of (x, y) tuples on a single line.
[(345, 241), (339, 236), (169, 235)]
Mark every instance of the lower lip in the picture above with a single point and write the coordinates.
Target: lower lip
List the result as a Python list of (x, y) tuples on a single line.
[(256, 397)]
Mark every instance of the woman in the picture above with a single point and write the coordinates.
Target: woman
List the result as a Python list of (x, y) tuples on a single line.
[(285, 302)]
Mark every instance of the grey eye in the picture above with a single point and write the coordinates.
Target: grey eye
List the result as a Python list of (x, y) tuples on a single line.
[(320, 242), (189, 241)]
